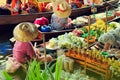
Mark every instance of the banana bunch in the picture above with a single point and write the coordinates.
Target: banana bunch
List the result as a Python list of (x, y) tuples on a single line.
[(113, 25), (100, 24), (115, 68)]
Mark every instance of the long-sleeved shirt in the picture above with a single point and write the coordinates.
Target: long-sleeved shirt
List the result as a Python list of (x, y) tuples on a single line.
[(58, 23), (23, 51)]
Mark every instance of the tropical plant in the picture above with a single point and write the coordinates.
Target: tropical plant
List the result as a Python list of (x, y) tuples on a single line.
[(35, 72), (7, 76)]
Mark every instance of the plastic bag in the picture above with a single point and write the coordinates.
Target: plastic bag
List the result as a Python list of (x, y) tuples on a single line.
[(12, 65)]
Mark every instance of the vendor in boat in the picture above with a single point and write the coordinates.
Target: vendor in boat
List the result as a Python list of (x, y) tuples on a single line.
[(62, 10), (14, 6), (23, 50)]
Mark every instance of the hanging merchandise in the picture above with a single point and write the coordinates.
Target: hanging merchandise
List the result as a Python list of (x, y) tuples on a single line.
[(29, 6), (89, 2), (15, 7), (44, 5)]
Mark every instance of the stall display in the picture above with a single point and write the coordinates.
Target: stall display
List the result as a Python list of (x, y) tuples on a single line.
[(97, 60)]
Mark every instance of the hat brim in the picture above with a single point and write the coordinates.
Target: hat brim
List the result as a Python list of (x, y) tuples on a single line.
[(25, 36), (63, 14)]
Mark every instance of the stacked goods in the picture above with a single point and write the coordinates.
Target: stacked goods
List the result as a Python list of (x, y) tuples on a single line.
[(76, 37), (98, 60), (70, 40), (112, 36), (75, 76), (95, 56), (102, 16), (52, 44), (115, 68), (98, 28), (79, 21), (67, 40), (99, 57), (113, 25), (98, 25)]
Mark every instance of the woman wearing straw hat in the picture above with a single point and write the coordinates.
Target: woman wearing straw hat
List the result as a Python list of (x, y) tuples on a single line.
[(23, 50), (62, 10)]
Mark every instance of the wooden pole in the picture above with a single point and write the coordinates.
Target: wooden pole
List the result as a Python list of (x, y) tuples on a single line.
[(88, 30), (85, 65), (106, 19), (44, 42)]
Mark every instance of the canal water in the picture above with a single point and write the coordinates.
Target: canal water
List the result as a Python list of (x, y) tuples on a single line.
[(5, 47)]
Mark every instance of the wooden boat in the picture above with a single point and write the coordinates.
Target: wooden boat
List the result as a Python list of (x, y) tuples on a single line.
[(10, 20)]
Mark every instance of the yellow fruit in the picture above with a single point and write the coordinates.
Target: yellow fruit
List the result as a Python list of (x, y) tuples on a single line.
[(100, 22)]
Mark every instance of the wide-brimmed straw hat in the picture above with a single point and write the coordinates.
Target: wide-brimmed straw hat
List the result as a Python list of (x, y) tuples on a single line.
[(61, 8), (25, 32)]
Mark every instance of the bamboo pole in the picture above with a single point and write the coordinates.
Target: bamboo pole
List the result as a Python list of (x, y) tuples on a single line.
[(106, 19), (44, 42), (88, 30), (85, 65)]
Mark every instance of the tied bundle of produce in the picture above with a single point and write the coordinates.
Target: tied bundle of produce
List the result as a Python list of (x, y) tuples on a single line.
[(68, 63), (52, 44), (117, 33), (70, 40), (107, 38)]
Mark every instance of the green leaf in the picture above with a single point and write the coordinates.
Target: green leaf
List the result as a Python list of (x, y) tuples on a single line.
[(33, 70), (85, 35), (58, 69), (7, 76), (50, 72), (52, 67)]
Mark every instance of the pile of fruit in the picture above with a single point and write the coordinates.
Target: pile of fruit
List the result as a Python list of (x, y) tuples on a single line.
[(115, 68), (70, 40), (98, 28), (67, 40), (79, 21)]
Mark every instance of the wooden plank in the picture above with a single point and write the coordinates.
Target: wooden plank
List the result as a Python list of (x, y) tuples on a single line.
[(8, 19)]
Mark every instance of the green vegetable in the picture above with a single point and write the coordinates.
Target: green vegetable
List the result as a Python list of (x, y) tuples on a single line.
[(84, 29)]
